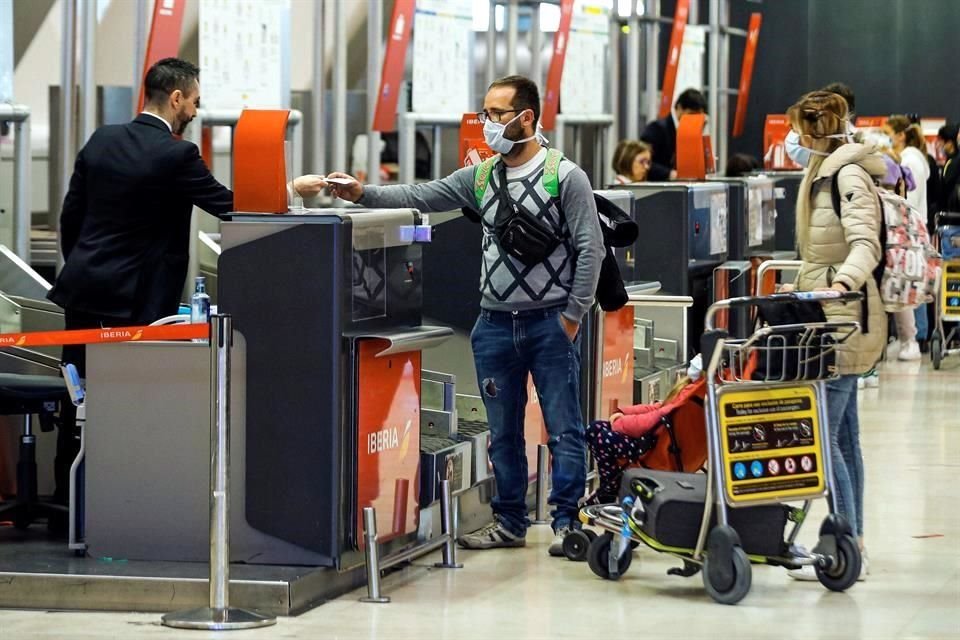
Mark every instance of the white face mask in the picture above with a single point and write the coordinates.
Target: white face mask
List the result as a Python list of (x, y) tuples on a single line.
[(493, 133), (797, 152)]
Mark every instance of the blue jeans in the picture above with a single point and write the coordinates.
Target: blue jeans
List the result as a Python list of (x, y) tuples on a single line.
[(845, 451), (507, 347), (923, 330)]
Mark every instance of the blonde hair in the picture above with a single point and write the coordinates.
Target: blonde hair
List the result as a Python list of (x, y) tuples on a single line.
[(911, 131), (816, 116), (625, 153)]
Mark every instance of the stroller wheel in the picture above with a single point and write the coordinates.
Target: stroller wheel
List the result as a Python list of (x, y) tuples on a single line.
[(845, 569), (598, 557), (590, 533), (575, 545)]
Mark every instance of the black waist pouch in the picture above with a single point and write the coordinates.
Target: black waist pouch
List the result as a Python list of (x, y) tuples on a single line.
[(520, 233)]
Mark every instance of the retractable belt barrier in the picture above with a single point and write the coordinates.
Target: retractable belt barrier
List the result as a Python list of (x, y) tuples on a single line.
[(219, 616), (98, 336)]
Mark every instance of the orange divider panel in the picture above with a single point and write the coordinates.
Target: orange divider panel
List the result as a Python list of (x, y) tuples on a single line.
[(691, 149), (259, 161)]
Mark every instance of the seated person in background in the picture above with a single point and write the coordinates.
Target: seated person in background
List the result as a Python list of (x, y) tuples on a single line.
[(631, 161), (662, 135), (741, 164)]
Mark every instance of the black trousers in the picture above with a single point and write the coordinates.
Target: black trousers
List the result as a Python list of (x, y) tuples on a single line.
[(68, 437)]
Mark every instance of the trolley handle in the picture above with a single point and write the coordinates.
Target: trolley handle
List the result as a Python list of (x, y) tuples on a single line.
[(793, 296)]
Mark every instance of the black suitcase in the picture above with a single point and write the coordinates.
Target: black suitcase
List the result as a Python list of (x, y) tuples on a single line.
[(675, 509)]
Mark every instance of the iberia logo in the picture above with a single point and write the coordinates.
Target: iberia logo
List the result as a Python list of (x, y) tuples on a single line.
[(13, 340), (626, 370), (120, 334), (22, 341), (137, 335)]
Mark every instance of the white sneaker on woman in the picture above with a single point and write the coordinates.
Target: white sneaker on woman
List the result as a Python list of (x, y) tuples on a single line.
[(909, 351)]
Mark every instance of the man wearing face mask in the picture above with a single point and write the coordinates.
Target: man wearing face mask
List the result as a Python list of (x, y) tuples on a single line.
[(125, 221), (530, 309)]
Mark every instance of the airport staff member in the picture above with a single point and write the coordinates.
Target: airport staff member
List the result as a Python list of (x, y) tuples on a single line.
[(662, 135), (530, 312), (125, 221)]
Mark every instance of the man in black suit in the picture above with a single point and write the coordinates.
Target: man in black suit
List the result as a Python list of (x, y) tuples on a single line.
[(662, 135), (947, 139), (125, 221)]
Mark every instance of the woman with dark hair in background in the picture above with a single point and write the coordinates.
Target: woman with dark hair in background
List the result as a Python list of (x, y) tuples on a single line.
[(631, 161), (839, 250), (907, 140)]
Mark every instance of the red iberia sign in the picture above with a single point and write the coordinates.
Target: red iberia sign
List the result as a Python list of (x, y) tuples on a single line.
[(673, 56), (746, 73), (385, 118), (551, 100)]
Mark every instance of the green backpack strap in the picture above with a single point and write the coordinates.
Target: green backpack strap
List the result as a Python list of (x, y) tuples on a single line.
[(481, 178), (551, 172), (551, 175)]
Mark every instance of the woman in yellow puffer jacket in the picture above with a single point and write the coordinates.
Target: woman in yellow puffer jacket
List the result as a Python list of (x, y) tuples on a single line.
[(840, 250)]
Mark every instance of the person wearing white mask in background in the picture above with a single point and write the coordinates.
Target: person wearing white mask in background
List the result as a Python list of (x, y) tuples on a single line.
[(906, 138), (530, 311)]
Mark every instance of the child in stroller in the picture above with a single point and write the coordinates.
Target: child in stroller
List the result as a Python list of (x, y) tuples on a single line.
[(667, 436)]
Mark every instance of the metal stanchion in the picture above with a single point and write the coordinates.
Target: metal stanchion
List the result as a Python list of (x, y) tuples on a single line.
[(219, 616), (372, 552), (543, 491), (448, 516)]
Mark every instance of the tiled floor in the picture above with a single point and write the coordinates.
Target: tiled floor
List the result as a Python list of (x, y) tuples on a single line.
[(911, 437)]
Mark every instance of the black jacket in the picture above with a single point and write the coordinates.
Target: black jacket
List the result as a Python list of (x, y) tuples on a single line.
[(949, 184), (125, 222), (662, 136)]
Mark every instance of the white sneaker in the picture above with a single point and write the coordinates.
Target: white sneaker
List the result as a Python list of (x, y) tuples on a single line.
[(806, 573), (871, 380), (860, 383), (864, 566), (910, 351), (893, 348)]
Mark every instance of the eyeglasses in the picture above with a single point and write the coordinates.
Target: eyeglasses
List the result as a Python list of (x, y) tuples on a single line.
[(496, 115)]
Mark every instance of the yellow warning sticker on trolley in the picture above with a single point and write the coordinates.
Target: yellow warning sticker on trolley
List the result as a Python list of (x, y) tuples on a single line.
[(770, 443)]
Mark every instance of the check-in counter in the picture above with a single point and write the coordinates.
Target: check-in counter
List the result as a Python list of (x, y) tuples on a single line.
[(326, 401), (683, 239)]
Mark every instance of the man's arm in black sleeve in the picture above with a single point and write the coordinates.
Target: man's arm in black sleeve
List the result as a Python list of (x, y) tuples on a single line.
[(74, 207), (195, 182)]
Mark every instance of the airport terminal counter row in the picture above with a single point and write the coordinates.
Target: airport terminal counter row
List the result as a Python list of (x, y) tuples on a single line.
[(333, 409)]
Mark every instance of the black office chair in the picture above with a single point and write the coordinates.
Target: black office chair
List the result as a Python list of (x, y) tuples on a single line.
[(28, 396)]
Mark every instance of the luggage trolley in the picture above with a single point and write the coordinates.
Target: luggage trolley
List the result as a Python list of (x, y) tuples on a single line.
[(767, 431), (947, 307)]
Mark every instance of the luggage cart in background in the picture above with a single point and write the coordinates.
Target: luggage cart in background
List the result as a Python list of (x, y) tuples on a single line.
[(947, 307), (767, 429)]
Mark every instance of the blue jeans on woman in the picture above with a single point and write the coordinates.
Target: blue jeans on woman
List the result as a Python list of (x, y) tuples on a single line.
[(923, 330), (845, 453), (508, 346)]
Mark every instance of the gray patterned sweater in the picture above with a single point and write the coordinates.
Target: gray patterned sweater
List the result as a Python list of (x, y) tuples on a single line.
[(567, 277)]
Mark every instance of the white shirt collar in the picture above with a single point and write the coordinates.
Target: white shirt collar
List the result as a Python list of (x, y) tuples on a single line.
[(158, 118)]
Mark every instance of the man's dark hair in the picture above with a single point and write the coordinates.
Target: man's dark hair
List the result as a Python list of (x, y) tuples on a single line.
[(691, 100), (740, 164), (168, 75), (844, 92), (949, 133), (527, 94)]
